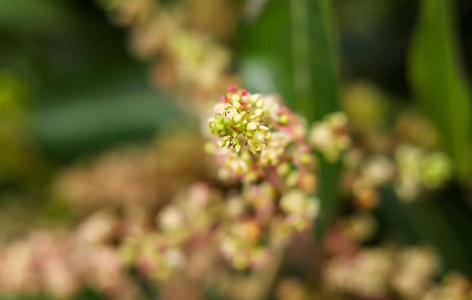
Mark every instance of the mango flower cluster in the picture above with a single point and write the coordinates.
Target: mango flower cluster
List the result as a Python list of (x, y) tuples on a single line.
[(257, 132), (134, 174), (263, 144), (412, 171), (162, 34), (419, 169), (260, 223), (356, 269), (240, 116), (330, 137), (407, 155), (375, 271), (159, 251), (379, 272), (245, 228), (61, 263)]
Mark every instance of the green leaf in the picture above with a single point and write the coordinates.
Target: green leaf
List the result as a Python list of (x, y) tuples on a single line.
[(328, 177), (291, 49), (102, 114), (434, 227), (33, 16), (440, 220), (439, 82)]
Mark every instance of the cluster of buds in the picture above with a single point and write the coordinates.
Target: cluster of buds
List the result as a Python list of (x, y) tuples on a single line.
[(299, 208), (246, 228), (364, 176), (418, 169), (241, 115), (416, 267), (160, 250), (380, 272), (411, 171), (384, 272), (136, 174), (153, 255), (263, 143), (255, 133), (454, 286), (61, 263), (406, 155), (163, 34), (330, 137), (261, 139), (260, 221), (366, 275), (241, 245)]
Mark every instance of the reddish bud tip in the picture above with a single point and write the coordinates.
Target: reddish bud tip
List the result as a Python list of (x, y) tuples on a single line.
[(224, 99), (244, 93), (233, 89)]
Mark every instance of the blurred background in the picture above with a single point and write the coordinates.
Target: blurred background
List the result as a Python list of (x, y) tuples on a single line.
[(100, 114)]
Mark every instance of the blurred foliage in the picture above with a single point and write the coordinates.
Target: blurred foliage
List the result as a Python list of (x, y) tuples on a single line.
[(14, 95), (439, 83), (85, 294), (292, 48), (32, 17), (94, 119), (438, 80), (375, 40), (69, 88), (88, 92)]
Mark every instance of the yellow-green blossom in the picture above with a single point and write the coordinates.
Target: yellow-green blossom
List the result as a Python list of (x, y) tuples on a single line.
[(241, 118)]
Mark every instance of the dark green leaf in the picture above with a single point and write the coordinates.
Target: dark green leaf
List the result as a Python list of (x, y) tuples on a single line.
[(291, 49), (439, 81)]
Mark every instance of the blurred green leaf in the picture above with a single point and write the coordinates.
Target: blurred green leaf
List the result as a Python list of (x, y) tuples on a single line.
[(328, 176), (32, 16), (393, 216), (291, 49), (435, 228), (439, 81), (93, 116), (85, 294), (440, 86), (441, 220), (26, 298)]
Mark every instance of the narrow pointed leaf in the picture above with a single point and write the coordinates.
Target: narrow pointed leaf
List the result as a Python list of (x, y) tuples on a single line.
[(439, 82)]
